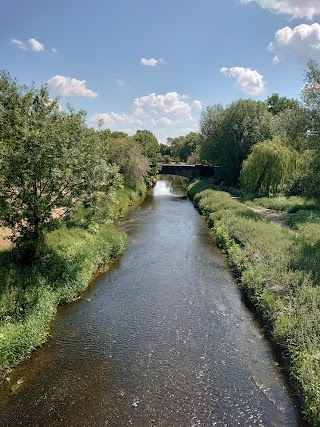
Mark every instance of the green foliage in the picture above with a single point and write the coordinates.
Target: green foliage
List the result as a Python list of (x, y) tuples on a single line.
[(277, 104), (267, 168), (127, 154), (280, 272), (228, 135), (150, 148), (311, 98), (287, 204), (49, 162), (184, 148)]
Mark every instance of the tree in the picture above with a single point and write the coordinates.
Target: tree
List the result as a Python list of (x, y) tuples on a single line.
[(183, 147), (276, 104), (127, 154), (228, 135), (311, 99), (150, 148), (267, 168), (49, 162)]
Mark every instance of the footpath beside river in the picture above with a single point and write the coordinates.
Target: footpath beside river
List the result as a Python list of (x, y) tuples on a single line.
[(162, 339)]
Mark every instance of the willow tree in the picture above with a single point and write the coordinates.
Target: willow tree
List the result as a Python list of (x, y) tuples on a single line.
[(267, 168)]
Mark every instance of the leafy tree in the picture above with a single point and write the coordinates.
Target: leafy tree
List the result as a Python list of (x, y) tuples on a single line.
[(165, 150), (150, 148), (311, 99), (267, 168), (185, 147), (127, 154), (228, 135), (49, 162), (292, 124), (276, 104)]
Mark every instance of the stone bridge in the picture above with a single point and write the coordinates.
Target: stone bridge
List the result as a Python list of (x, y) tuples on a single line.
[(189, 171)]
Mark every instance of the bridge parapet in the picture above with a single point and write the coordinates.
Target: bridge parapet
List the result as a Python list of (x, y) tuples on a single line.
[(188, 171)]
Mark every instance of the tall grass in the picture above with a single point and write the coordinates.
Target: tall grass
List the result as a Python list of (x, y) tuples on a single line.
[(279, 269), (29, 295)]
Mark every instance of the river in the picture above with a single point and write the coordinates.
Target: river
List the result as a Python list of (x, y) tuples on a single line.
[(162, 339)]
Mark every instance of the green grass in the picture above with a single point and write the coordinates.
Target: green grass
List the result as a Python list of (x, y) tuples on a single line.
[(279, 269), (29, 295), (282, 203)]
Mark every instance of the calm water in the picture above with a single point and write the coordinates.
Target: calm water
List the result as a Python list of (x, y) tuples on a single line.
[(162, 339)]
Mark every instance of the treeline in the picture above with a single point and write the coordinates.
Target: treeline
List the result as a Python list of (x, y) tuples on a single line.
[(263, 147), (51, 163)]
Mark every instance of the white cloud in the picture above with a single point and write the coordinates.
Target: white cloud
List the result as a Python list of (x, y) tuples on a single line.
[(170, 103), (303, 42), (152, 62), (67, 86), (164, 115), (163, 121), (295, 8), (18, 43), (247, 80), (35, 45), (112, 120), (54, 50), (120, 82)]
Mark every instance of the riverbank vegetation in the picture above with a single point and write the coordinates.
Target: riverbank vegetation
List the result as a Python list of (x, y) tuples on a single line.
[(62, 185), (279, 270), (268, 160)]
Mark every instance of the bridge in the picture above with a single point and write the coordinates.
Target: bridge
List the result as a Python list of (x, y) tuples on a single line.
[(189, 171)]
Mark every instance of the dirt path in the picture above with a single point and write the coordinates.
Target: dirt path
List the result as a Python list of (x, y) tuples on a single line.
[(5, 234), (280, 218)]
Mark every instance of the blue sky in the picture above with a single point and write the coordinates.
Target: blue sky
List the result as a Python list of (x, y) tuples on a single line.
[(146, 64)]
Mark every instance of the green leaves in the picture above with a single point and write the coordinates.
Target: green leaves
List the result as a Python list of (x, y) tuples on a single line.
[(49, 161)]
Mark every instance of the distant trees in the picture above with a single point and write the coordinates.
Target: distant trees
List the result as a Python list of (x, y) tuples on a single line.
[(185, 148)]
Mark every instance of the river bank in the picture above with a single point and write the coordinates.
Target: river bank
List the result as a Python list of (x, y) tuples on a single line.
[(29, 295), (278, 270)]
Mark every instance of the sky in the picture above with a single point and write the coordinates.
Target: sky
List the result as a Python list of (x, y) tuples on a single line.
[(155, 65)]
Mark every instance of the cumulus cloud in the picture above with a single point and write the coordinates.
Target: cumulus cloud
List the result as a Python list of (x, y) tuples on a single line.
[(67, 86), (303, 42), (169, 103), (295, 8), (35, 45), (247, 80), (152, 62), (110, 120), (168, 114), (18, 43)]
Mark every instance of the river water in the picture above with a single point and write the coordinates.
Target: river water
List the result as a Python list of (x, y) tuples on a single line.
[(162, 339)]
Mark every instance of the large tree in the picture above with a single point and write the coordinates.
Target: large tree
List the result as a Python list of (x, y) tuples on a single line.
[(311, 99), (150, 148), (127, 154), (267, 167), (49, 162), (229, 134)]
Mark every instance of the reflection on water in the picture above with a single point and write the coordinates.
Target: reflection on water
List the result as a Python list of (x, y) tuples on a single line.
[(162, 339)]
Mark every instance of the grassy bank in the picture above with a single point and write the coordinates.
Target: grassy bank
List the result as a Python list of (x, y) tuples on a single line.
[(279, 269), (29, 295)]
